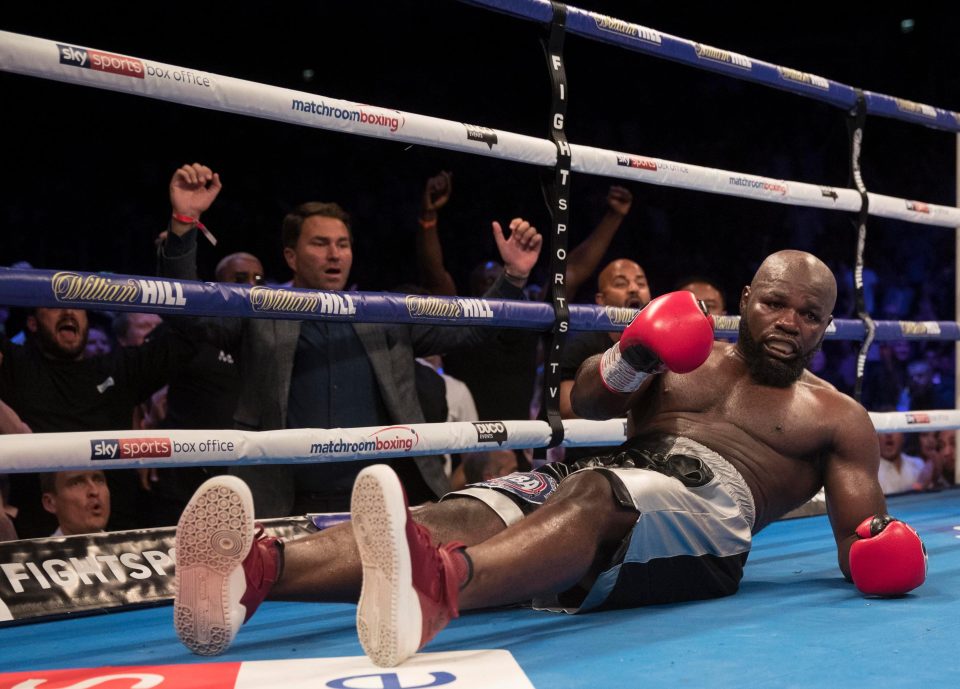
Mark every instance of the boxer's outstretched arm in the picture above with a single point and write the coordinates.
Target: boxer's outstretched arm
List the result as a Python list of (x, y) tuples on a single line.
[(850, 476), (880, 554)]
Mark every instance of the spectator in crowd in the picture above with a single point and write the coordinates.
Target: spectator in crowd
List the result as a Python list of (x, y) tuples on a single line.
[(921, 392), (201, 395), (80, 500), (930, 449), (707, 291), (241, 268), (8, 513), (458, 399), (52, 388), (622, 285), (929, 446), (942, 358), (99, 335), (9, 420), (939, 471), (132, 329), (899, 471), (885, 377), (477, 467), (9, 423), (325, 374), (948, 459), (11, 320), (503, 381)]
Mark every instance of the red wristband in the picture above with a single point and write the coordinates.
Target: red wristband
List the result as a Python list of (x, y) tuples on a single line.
[(195, 222)]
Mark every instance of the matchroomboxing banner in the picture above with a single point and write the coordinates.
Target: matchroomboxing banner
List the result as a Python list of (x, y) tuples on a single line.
[(45, 578)]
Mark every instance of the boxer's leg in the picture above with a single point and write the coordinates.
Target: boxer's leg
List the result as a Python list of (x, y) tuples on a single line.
[(326, 565), (411, 584), (225, 569)]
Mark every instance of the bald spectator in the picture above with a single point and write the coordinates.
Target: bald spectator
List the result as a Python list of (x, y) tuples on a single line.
[(240, 267), (622, 283)]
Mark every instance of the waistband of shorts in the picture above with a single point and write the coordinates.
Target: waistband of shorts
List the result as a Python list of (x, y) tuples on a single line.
[(722, 469)]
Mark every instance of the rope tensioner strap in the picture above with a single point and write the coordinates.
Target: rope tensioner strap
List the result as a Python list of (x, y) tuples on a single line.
[(856, 121), (556, 188)]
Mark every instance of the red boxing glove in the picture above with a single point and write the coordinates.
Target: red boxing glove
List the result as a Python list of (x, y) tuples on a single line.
[(673, 330), (888, 559)]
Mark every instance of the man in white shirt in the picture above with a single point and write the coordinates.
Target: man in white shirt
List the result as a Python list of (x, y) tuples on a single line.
[(898, 470)]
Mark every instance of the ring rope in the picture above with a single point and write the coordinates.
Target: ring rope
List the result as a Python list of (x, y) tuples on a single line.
[(751, 186), (112, 291), (50, 60), (86, 450), (642, 39)]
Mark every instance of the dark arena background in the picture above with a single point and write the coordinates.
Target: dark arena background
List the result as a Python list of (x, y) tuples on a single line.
[(86, 170), (85, 177)]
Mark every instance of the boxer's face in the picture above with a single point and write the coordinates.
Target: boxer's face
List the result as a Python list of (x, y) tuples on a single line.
[(783, 323), (323, 255), (61, 333)]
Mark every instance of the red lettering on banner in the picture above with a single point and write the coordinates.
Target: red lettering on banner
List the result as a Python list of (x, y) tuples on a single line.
[(207, 675), (116, 64), (132, 448)]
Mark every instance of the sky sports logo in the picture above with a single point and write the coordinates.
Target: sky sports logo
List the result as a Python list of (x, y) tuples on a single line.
[(130, 448), (100, 61)]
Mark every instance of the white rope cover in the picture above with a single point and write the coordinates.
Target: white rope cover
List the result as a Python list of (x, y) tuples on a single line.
[(170, 448), (86, 66)]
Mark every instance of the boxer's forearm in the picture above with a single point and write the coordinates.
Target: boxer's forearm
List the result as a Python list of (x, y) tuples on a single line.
[(591, 399)]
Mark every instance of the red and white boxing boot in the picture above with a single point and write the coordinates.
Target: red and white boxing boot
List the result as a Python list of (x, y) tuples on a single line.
[(410, 584), (226, 565)]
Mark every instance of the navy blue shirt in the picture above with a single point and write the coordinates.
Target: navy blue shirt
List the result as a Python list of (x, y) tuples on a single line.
[(332, 385)]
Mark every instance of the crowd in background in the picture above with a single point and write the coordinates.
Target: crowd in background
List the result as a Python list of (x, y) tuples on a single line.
[(493, 381)]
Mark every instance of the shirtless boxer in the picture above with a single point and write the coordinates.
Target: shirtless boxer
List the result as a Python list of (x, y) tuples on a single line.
[(725, 438)]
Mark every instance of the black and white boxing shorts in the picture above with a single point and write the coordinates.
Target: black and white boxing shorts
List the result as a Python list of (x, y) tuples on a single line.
[(693, 530)]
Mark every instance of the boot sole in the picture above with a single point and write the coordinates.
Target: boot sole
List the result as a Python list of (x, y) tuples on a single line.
[(214, 535), (389, 620)]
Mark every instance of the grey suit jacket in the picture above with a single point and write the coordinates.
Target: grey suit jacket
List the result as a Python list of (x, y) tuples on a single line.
[(266, 353)]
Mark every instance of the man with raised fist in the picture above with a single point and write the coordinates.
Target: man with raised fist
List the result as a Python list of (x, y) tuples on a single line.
[(724, 439)]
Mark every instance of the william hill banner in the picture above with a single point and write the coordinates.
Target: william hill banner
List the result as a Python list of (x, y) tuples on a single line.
[(45, 578)]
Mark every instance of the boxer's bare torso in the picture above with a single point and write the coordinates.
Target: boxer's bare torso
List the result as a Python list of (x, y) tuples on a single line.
[(779, 439)]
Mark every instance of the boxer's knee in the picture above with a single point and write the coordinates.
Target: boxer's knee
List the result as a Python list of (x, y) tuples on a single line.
[(592, 493), (460, 518)]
